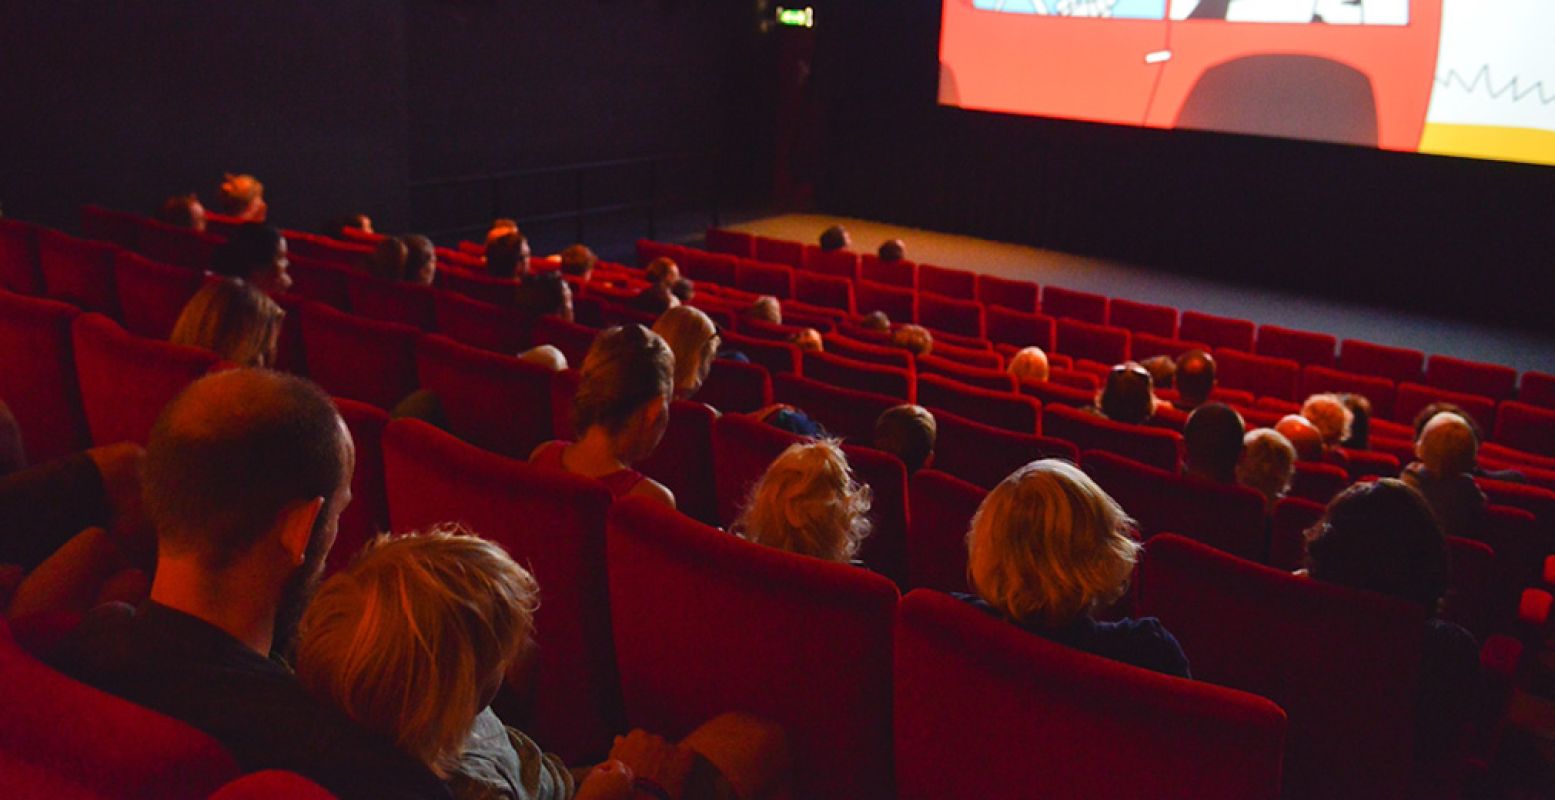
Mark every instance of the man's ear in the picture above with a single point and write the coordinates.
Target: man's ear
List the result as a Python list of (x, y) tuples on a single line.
[(296, 524)]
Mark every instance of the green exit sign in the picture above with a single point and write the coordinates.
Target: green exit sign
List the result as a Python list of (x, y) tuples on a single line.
[(797, 17)]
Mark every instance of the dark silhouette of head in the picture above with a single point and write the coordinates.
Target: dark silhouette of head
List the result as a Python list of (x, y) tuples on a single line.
[(892, 250), (1127, 395), (183, 211), (1212, 442), (1381, 537), (507, 256), (907, 432), (835, 238), (1195, 377), (578, 261), (256, 253)]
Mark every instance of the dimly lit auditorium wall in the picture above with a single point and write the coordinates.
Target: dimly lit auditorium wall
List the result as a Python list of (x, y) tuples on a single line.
[(1473, 239)]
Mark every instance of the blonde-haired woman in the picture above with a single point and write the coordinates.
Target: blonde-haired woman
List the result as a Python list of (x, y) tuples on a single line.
[(1046, 549), (694, 340), (808, 503), (234, 320)]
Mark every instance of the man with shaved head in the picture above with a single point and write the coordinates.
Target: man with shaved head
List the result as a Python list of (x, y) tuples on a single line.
[(245, 476), (1195, 377), (1303, 435), (1447, 450)]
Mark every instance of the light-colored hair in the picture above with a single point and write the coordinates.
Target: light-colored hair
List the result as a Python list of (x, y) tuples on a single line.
[(1302, 435), (1447, 445), (411, 637), (765, 308), (545, 355), (1268, 463), (808, 503), (1029, 364), (1331, 417), (1048, 545), (233, 319), (915, 339), (689, 333)]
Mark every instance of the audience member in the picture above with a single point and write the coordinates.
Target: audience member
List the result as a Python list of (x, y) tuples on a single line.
[(420, 259), (765, 309), (875, 321), (1163, 371), (1302, 435), (1268, 464), (256, 253), (892, 250), (1048, 549), (1029, 364), (546, 356), (243, 197), (183, 211), (808, 503), (907, 432), (656, 299), (1429, 412), (662, 271), (387, 260), (1195, 376), (544, 294), (507, 256), (694, 340), (1328, 413), (809, 340), (1446, 452), (1360, 421), (683, 290), (232, 319), (620, 412), (245, 476), (1212, 442), (1381, 537), (1127, 395), (915, 339), (835, 238), (354, 221), (579, 261)]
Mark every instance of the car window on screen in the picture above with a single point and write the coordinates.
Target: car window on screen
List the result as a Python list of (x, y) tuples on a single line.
[(1321, 12), (1114, 9)]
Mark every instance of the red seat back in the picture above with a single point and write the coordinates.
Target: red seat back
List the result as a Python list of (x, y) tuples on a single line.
[(838, 344), (107, 225), (1412, 397), (942, 507), (1261, 375), (368, 513), (359, 359), (272, 783), (1008, 410), (1100, 343), (838, 263), (848, 373), (1148, 345), (947, 281), (900, 273), (776, 356), (178, 246), (735, 387), (897, 303), (393, 301), (38, 381), (19, 270), (1305, 347), (780, 251), (1455, 374), (994, 379), (1054, 393), (126, 380), (747, 619), (321, 281), (1288, 526), (152, 295), (1236, 334), (572, 339), (648, 250), (713, 268), (1016, 295), (1050, 721), (825, 290), (885, 549), (848, 413), (1227, 517), (985, 455), (735, 243), (551, 521), (1397, 364), (1062, 303), (78, 271), (492, 401), (480, 324), (963, 317), (1526, 427), (500, 292), (742, 450), (1380, 391), (1143, 318), (345, 254), (759, 278), (1157, 447), (1021, 329), (683, 461), (1318, 482), (1537, 388)]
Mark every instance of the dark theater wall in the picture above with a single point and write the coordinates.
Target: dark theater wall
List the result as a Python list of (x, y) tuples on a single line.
[(1472, 239)]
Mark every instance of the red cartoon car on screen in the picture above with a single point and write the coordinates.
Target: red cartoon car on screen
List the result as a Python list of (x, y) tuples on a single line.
[(1353, 71)]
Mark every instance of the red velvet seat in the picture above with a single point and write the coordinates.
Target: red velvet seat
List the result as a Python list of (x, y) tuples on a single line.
[(1148, 345), (838, 344), (648, 250), (495, 402), (735, 243), (1227, 517), (1021, 329), (713, 268), (1055, 393), (1412, 397), (1380, 391), (1016, 295), (897, 303), (837, 263), (107, 225), (392, 301), (1140, 318), (1537, 388), (177, 246), (746, 620), (820, 289), (345, 254), (901, 272), (270, 784), (478, 324), (848, 373), (1261, 375), (78, 272), (996, 380), (960, 284), (964, 317), (780, 251), (359, 359), (735, 387), (551, 521), (1397, 364), (1061, 303), (1020, 716), (1526, 427), (776, 356), (321, 281), (848, 413), (126, 380), (972, 358), (942, 507), (821, 318), (1236, 334), (1342, 663), (152, 295), (1471, 568), (38, 381), (572, 339), (983, 454), (1363, 463), (1102, 343), (1157, 447), (1307, 348), (683, 461), (1318, 482), (1521, 542), (19, 270), (1288, 525), (500, 292), (1455, 374), (743, 448), (760, 278), (885, 549), (368, 513), (1008, 410)]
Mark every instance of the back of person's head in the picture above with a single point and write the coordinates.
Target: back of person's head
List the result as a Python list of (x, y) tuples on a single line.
[(507, 256), (1195, 376), (413, 638), (420, 259), (1328, 413), (232, 452), (1302, 435), (835, 238), (1127, 395), (1212, 441), (807, 502), (693, 339), (907, 432), (1047, 545), (1162, 369), (655, 299), (1447, 445), (1360, 421), (765, 308), (578, 260), (232, 319), (627, 368), (183, 211), (1429, 413), (242, 196), (1382, 537), (544, 294), (684, 290), (892, 250), (809, 340), (387, 260), (875, 321), (915, 339), (545, 355), (1029, 364), (662, 270), (256, 253), (1268, 463), (500, 227), (356, 220)]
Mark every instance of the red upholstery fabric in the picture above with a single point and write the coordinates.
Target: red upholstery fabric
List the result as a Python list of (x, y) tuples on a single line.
[(1157, 447), (552, 522), (368, 513), (848, 413), (736, 243), (983, 454), (1261, 375), (1470, 585), (178, 246), (838, 344), (392, 301), (683, 461), (839, 263), (706, 622), (320, 281), (1054, 393), (1455, 374), (1537, 388), (1143, 318), (964, 317), (942, 507), (1102, 343), (897, 303), (1318, 482), (1229, 518), (19, 257), (735, 387), (77, 271), (798, 312), (1021, 329), (38, 381), (766, 330), (780, 251), (775, 356), (289, 353), (1231, 332), (1380, 391), (572, 339), (1015, 295), (848, 373), (1521, 542), (500, 292), (564, 387), (1362, 463), (1526, 427), (996, 380), (1397, 364), (984, 709), (345, 254), (711, 268), (742, 450), (152, 295), (1064, 303), (648, 250), (824, 290), (885, 550), (1007, 410), (903, 274), (1305, 347), (758, 277), (1343, 664), (480, 324), (1413, 396), (492, 401), (107, 225), (947, 281), (126, 380), (1287, 531), (271, 784), (359, 359), (1148, 345)]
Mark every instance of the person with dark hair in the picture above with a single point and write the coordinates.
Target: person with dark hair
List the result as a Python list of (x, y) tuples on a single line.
[(1360, 421), (545, 294), (579, 261), (257, 254), (1195, 376), (875, 321), (183, 211), (683, 290), (892, 250), (1381, 537), (1163, 371), (420, 259), (387, 260), (507, 256), (656, 299), (245, 476), (907, 432), (1127, 396), (1212, 442), (835, 238)]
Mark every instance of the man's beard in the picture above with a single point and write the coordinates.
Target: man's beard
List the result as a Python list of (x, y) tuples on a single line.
[(297, 593)]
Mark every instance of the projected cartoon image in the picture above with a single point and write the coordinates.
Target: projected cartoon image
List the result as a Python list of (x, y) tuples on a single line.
[(1465, 77)]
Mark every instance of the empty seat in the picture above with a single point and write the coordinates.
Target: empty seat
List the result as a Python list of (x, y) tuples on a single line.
[(368, 513), (824, 290), (897, 303), (126, 380), (1455, 374), (177, 246), (948, 282), (478, 324), (900, 273), (19, 257), (493, 401), (848, 413), (1397, 364), (1363, 463), (1342, 663), (683, 461), (974, 451), (393, 301), (963, 317), (1526, 427), (1318, 482), (272, 783), (572, 339), (107, 225), (839, 344), (942, 508), (884, 551), (735, 243), (1143, 318), (359, 359), (1016, 295), (1157, 447), (1054, 393), (1231, 332), (1148, 345), (1380, 391), (38, 381), (848, 373), (1538, 388), (974, 358), (732, 386), (1305, 347), (996, 380), (321, 281), (776, 356), (1062, 303), (747, 619), (1020, 716), (743, 448), (1102, 343), (551, 521), (711, 268), (1261, 375), (500, 292), (762, 278), (323, 248), (1021, 329), (1227, 517), (77, 271), (1412, 397), (1008, 410), (780, 251), (838, 263), (648, 250), (152, 295), (798, 312)]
